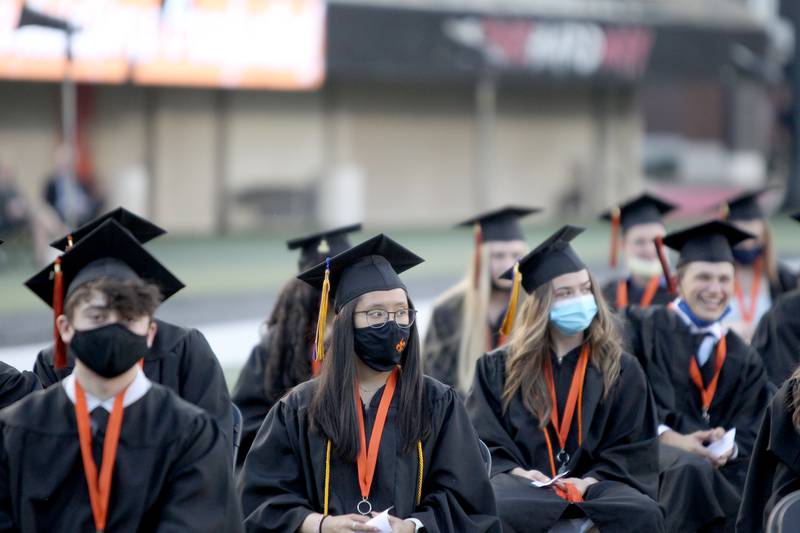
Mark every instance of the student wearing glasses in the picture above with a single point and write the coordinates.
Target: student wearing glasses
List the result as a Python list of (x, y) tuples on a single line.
[(370, 433)]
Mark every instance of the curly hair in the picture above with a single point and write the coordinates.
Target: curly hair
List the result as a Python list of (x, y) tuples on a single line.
[(530, 345), (130, 299), (289, 336)]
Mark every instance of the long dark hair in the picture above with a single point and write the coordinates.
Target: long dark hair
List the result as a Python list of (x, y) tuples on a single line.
[(333, 409), (288, 339)]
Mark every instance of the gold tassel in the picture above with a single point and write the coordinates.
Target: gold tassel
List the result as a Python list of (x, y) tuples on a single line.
[(724, 210), (319, 340), (511, 312)]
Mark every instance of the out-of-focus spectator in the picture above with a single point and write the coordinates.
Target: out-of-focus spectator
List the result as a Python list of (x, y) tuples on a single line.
[(14, 214), (72, 197)]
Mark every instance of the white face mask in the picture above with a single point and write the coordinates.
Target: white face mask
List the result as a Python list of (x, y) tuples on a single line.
[(645, 268)]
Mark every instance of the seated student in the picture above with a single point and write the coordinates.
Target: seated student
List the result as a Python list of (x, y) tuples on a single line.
[(466, 319), (759, 277), (284, 356), (641, 221), (777, 337), (562, 397), (180, 358), (775, 463), (107, 449), (705, 381), (15, 384), (371, 433)]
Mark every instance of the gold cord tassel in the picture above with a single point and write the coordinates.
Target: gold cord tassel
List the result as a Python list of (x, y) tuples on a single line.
[(511, 312), (319, 340)]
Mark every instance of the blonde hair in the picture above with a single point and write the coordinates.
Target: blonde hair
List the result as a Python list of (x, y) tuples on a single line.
[(531, 343), (475, 334), (795, 404)]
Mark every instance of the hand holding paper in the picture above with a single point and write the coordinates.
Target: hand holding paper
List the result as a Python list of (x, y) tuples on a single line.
[(724, 445), (543, 484), (381, 521)]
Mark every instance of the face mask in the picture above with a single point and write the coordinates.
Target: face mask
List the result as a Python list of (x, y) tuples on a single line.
[(381, 348), (747, 256), (646, 268), (574, 315), (108, 350)]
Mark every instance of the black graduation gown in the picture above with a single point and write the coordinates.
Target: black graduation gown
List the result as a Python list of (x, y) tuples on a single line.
[(661, 297), (181, 360), (777, 337), (692, 491), (619, 449), (173, 469), (443, 339), (282, 481), (15, 384), (787, 281), (775, 464), (254, 396)]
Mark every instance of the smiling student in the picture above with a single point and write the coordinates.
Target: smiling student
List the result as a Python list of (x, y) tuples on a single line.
[(705, 380), (371, 433), (562, 397)]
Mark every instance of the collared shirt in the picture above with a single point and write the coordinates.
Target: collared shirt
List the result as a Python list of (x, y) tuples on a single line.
[(134, 392)]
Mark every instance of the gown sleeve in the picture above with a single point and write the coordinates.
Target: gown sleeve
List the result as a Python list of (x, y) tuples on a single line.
[(485, 412), (250, 397), (200, 495), (203, 382), (15, 384), (456, 493), (271, 484)]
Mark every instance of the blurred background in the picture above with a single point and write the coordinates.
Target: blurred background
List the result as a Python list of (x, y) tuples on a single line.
[(237, 124)]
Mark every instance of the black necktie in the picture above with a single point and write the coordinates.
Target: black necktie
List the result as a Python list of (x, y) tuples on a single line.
[(99, 422)]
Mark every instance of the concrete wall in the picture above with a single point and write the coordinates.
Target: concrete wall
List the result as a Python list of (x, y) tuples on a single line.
[(384, 154)]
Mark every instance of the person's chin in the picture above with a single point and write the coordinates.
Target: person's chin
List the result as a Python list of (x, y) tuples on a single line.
[(710, 311)]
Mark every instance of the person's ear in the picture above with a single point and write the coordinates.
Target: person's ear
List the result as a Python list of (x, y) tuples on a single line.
[(65, 330), (152, 330)]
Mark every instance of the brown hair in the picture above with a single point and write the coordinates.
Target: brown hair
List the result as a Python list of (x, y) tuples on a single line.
[(131, 299), (530, 345), (288, 339), (333, 408)]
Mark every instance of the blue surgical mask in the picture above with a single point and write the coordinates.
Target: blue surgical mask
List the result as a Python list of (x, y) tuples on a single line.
[(573, 315)]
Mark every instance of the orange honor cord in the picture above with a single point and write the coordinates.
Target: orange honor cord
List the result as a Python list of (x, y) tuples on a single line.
[(574, 403), (707, 394), (367, 459), (749, 313), (99, 488), (647, 298)]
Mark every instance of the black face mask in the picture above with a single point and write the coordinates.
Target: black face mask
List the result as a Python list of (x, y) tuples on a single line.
[(108, 350), (381, 348)]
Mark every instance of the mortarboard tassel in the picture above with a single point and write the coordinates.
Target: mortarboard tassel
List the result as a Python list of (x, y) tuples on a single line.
[(724, 210), (70, 244), (60, 357), (662, 258), (319, 339), (616, 215), (511, 312), (476, 277)]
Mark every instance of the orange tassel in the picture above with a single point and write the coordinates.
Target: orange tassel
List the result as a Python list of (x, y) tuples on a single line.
[(511, 312), (662, 258), (70, 244), (319, 339), (476, 277), (60, 356), (616, 216)]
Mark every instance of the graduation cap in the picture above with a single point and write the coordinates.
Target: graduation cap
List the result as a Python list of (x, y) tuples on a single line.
[(644, 209), (796, 216), (552, 258), (143, 230), (500, 224), (744, 206), (110, 251), (316, 247), (373, 265), (497, 225), (710, 241)]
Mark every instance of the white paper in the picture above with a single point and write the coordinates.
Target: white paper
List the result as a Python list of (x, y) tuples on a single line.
[(381, 521), (723, 445), (542, 484)]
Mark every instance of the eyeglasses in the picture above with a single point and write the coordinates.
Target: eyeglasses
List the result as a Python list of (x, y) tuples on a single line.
[(377, 318)]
